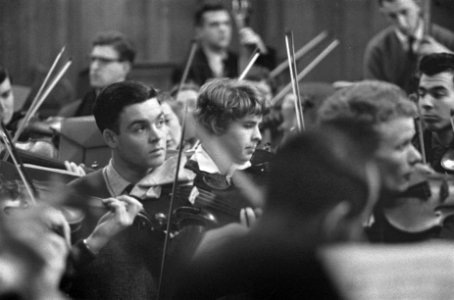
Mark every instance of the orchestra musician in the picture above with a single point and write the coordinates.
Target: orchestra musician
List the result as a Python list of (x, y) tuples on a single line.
[(393, 53), (132, 124), (276, 259), (436, 101), (111, 59), (213, 59), (386, 109)]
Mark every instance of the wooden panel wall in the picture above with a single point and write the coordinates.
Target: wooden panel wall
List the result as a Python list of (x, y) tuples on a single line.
[(32, 31)]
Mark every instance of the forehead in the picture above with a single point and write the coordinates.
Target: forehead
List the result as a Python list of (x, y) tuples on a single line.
[(105, 51), (444, 79), (247, 119), (215, 16), (396, 131), (398, 5), (148, 110)]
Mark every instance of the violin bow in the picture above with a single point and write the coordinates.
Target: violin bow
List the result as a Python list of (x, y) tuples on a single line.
[(177, 171), (427, 17), (34, 108), (10, 148), (300, 53), (289, 45), (420, 127), (255, 55), (305, 71)]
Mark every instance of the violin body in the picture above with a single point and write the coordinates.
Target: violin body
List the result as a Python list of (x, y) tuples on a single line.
[(216, 201)]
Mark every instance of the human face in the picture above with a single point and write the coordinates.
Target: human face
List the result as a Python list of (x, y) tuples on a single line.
[(105, 67), (141, 141), (403, 14), (6, 101), (396, 155), (241, 138), (216, 30), (436, 100), (173, 127)]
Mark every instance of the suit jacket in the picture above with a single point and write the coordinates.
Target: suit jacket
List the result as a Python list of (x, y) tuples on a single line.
[(385, 59)]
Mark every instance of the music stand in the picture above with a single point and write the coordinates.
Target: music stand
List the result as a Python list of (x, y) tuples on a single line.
[(81, 142)]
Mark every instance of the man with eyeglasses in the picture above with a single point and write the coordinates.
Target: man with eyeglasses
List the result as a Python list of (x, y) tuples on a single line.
[(111, 60)]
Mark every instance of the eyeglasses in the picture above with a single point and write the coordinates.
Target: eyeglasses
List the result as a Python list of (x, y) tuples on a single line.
[(103, 60)]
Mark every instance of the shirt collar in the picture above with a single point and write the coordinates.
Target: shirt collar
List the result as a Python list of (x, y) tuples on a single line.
[(418, 35), (115, 183), (206, 163)]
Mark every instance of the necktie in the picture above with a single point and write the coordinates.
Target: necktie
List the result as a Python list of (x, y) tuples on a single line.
[(128, 189), (411, 44)]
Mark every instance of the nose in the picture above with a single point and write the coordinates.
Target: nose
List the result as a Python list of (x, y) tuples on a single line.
[(425, 102), (156, 134), (256, 135), (414, 156)]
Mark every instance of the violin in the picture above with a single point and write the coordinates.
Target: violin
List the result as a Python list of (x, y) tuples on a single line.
[(219, 201), (422, 212)]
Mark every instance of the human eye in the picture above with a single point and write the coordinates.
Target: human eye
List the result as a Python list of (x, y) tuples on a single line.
[(138, 128), (421, 93), (161, 121), (5, 95), (438, 94)]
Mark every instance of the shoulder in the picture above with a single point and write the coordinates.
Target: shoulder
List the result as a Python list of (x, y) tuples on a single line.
[(381, 38), (92, 184)]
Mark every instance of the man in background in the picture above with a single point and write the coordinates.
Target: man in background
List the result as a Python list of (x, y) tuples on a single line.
[(111, 59), (392, 55)]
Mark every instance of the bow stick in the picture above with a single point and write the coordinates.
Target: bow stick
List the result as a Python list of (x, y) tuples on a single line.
[(9, 146), (306, 71), (300, 53), (293, 74), (177, 171), (34, 108), (255, 55)]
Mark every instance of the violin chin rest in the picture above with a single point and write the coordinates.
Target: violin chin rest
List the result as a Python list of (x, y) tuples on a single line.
[(194, 216)]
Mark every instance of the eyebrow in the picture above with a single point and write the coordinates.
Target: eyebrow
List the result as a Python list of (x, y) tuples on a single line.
[(145, 121)]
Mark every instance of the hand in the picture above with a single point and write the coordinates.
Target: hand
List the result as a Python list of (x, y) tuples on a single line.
[(250, 37), (248, 217), (123, 211), (45, 233), (429, 45), (74, 168)]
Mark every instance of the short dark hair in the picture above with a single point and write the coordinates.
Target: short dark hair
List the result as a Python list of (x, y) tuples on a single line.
[(207, 7), (436, 63), (114, 98), (222, 101), (373, 102), (3, 74), (318, 169), (119, 42)]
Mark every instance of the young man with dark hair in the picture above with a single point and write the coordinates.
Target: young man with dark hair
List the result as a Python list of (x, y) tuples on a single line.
[(132, 123), (436, 102), (111, 59), (213, 59), (392, 55)]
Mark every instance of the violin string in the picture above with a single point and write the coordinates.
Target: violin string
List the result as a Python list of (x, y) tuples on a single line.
[(206, 200)]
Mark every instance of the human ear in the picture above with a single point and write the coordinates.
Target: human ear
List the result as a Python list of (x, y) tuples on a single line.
[(110, 137)]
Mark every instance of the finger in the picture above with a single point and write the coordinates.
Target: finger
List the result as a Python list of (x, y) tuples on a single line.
[(250, 215), (244, 219), (133, 205), (67, 165)]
